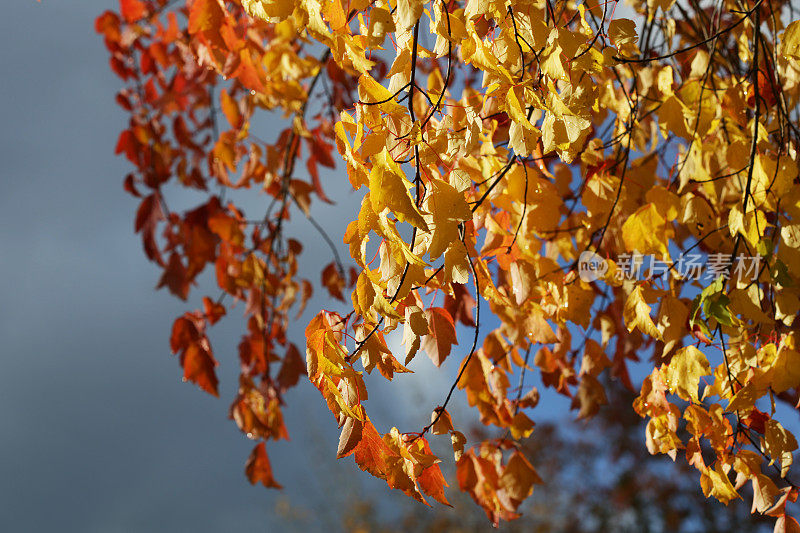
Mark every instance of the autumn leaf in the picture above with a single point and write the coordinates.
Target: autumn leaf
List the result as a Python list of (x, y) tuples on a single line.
[(350, 437), (132, 10), (333, 281), (292, 368), (684, 371), (371, 453), (448, 209), (441, 337), (270, 10), (389, 189), (519, 477), (645, 231), (259, 470), (205, 15), (779, 444), (786, 370), (637, 314), (715, 482)]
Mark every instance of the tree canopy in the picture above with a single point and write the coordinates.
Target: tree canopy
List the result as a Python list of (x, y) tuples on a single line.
[(610, 192)]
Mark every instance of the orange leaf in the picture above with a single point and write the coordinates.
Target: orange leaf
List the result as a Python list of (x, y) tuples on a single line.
[(259, 470), (431, 481), (372, 454), (438, 343), (479, 477), (132, 10), (227, 228), (205, 15), (230, 109)]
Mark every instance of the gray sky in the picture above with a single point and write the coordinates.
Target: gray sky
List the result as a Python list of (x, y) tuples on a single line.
[(99, 434)]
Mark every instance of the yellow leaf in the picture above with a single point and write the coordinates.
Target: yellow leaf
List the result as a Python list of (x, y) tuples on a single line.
[(515, 110), (715, 483), (683, 373), (744, 400), (779, 444), (672, 318), (371, 91), (790, 40), (645, 231), (787, 370), (408, 13), (667, 203), (389, 189), (269, 10), (521, 139), (637, 314), (415, 327), (458, 440), (623, 34), (671, 118), (448, 209)]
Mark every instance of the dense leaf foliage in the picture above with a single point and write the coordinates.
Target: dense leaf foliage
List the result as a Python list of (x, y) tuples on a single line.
[(608, 190)]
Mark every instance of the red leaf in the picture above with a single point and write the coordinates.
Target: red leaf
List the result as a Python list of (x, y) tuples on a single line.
[(259, 470), (253, 349), (198, 367), (147, 217), (320, 153), (213, 310), (292, 368), (460, 305), (333, 281), (175, 277), (108, 25), (184, 333), (127, 144), (130, 186)]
